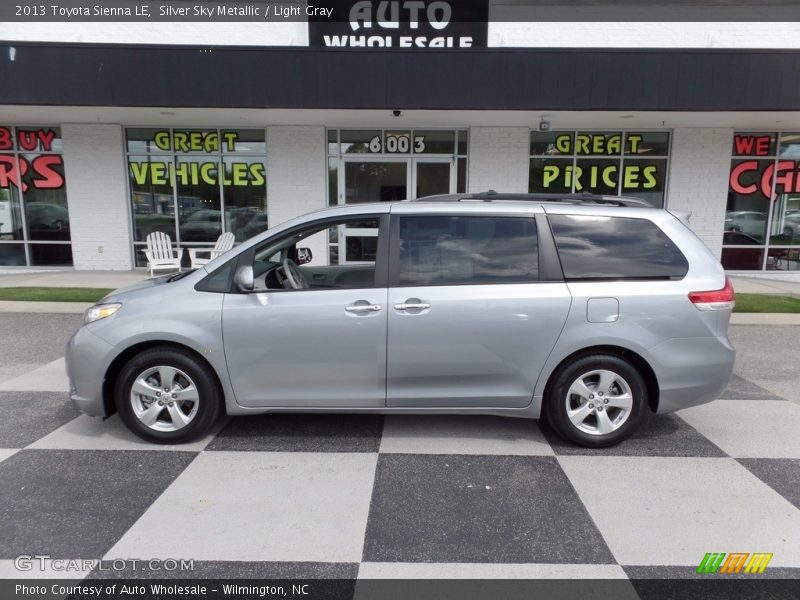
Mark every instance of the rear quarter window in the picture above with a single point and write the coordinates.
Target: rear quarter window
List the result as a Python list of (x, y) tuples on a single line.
[(601, 247)]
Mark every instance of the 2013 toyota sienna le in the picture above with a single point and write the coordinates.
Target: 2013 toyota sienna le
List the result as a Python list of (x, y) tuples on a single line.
[(588, 310)]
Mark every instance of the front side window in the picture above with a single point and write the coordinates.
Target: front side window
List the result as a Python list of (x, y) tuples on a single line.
[(459, 250), (595, 247), (331, 255)]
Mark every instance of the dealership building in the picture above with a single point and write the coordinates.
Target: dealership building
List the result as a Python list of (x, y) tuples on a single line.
[(110, 131)]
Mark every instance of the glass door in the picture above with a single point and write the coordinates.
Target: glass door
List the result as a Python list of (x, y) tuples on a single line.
[(432, 176), (374, 180), (381, 180), (367, 180)]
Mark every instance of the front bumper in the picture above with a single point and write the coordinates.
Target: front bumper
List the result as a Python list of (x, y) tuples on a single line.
[(691, 371), (87, 359)]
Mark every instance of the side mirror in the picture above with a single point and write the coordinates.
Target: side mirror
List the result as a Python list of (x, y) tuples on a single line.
[(304, 256), (244, 279)]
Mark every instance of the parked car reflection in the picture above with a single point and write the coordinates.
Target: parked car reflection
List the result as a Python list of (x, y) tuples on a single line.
[(751, 222), (202, 226), (47, 221), (254, 226), (43, 215)]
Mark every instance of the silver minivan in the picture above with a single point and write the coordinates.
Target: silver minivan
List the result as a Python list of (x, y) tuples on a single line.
[(591, 311)]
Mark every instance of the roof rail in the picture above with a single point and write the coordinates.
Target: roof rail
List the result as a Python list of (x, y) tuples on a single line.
[(582, 198)]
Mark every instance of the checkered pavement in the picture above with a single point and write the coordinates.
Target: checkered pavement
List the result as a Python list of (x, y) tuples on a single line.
[(344, 496)]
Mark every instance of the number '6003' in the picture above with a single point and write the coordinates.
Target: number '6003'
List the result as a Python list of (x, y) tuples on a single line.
[(397, 144)]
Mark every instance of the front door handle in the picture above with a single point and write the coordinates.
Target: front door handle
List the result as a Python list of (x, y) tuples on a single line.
[(412, 306), (359, 308)]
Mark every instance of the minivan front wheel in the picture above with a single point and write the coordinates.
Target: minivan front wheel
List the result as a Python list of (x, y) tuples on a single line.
[(167, 396), (597, 401)]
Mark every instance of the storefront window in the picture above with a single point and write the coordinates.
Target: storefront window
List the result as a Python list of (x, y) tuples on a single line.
[(198, 187), (631, 163), (152, 197), (34, 216), (195, 184), (762, 219), (373, 165)]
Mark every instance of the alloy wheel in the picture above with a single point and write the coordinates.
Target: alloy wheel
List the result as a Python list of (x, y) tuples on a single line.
[(164, 398), (599, 402)]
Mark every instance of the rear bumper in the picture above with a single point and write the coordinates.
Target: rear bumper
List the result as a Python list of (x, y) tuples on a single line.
[(691, 371), (87, 359)]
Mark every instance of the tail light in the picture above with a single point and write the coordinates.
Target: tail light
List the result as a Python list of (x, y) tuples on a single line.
[(722, 299)]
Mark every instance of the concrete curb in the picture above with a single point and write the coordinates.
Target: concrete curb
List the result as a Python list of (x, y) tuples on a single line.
[(765, 319), (18, 306)]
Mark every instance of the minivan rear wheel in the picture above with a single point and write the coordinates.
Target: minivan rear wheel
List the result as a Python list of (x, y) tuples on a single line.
[(166, 395), (597, 401)]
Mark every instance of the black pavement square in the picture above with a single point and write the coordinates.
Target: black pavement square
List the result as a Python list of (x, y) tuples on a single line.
[(660, 435), (223, 569), (301, 433), (78, 503), (468, 508), (27, 416), (781, 474)]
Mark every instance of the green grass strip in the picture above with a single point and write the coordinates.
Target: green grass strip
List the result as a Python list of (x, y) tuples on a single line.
[(53, 294), (764, 303)]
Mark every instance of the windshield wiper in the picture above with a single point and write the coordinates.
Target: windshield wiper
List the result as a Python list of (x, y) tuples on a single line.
[(180, 275)]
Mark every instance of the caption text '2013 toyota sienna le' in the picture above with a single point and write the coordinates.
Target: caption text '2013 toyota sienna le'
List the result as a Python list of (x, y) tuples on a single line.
[(588, 310)]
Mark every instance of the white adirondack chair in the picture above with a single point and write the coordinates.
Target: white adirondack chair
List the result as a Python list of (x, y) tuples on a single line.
[(160, 254), (224, 243)]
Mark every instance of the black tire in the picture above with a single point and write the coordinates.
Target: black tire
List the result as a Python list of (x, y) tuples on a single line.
[(556, 399), (209, 402)]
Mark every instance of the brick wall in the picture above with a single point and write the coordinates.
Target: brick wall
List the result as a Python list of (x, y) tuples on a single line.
[(533, 32), (524, 29), (698, 179), (218, 33), (296, 173), (96, 182), (498, 159), (297, 176)]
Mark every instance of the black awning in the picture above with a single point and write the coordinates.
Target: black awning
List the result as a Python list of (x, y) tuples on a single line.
[(478, 79)]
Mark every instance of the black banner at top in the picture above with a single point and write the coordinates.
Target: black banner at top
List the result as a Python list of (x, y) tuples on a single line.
[(400, 24), (457, 18)]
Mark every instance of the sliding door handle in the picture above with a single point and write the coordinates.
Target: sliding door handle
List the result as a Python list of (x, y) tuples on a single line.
[(412, 306)]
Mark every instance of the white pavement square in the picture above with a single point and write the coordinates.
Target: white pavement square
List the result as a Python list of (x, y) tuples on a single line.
[(7, 453), (259, 506), (745, 429), (671, 511), (441, 434), (51, 377), (92, 433)]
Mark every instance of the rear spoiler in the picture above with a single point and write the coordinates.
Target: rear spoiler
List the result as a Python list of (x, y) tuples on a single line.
[(682, 215)]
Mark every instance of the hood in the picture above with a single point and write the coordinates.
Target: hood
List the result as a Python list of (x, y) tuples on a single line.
[(120, 293)]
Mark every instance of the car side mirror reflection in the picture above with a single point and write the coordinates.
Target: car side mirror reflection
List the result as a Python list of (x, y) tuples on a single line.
[(304, 256), (243, 279)]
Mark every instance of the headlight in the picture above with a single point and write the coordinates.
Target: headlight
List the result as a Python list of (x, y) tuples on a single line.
[(100, 311)]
